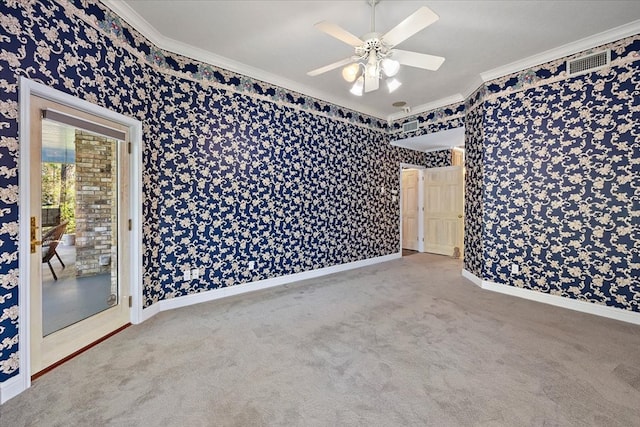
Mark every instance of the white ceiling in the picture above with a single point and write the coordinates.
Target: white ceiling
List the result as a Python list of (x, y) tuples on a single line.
[(436, 141), (276, 40)]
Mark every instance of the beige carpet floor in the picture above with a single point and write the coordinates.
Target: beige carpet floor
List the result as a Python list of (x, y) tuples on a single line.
[(403, 343)]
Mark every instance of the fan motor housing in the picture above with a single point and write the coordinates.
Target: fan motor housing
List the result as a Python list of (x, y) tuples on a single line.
[(371, 43)]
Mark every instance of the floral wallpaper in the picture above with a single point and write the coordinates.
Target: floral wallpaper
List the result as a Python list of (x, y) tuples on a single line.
[(238, 170), (443, 118), (562, 188), (473, 184), (234, 170), (551, 178)]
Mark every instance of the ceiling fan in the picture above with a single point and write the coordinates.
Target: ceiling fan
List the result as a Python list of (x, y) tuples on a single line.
[(375, 56)]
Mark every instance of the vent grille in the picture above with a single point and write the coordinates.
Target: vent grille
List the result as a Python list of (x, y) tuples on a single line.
[(588, 63), (410, 126)]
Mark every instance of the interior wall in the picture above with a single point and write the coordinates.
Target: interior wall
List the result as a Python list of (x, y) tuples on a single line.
[(233, 167), (473, 186), (561, 165), (234, 170), (551, 179)]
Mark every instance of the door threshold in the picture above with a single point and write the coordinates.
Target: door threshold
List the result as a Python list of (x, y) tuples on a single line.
[(76, 353)]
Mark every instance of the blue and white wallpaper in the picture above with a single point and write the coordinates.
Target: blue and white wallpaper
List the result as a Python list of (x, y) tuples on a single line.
[(234, 170), (562, 187), (552, 181), (237, 170), (473, 184), (443, 118)]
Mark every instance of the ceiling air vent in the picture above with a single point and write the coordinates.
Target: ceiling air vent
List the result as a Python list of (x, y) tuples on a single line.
[(410, 126), (588, 63)]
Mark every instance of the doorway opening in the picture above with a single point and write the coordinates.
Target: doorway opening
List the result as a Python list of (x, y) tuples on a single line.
[(77, 206), (80, 226), (432, 210), (410, 209), (79, 219)]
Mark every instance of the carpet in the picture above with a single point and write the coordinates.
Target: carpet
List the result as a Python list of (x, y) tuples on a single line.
[(403, 343)]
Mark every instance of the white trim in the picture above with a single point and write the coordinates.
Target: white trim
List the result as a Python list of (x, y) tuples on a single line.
[(571, 304), (472, 277), (420, 202), (472, 87), (437, 141), (586, 43), (11, 388), (443, 102), (24, 275), (421, 206), (127, 13), (135, 212), (149, 312), (133, 18), (27, 87), (569, 49), (215, 294)]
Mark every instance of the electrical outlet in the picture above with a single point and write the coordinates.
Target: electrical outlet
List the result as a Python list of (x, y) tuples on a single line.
[(195, 273), (394, 198), (186, 274), (252, 265), (515, 269)]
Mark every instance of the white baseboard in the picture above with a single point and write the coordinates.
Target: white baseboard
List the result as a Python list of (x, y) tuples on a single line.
[(12, 387), (469, 275), (17, 384), (214, 294), (571, 304), (149, 312)]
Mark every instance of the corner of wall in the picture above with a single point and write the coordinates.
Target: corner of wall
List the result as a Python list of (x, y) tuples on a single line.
[(12, 387)]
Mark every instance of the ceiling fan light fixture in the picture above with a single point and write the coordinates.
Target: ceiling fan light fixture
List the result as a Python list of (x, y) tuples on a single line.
[(390, 67), (358, 87), (376, 53), (350, 72), (393, 84), (371, 69)]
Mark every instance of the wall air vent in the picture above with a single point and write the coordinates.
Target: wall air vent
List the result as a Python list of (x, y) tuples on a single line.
[(410, 126), (588, 63)]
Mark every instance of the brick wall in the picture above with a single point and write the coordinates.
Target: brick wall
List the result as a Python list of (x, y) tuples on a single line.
[(96, 209)]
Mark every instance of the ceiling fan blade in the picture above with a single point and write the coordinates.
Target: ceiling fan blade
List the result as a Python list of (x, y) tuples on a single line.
[(330, 67), (419, 60), (339, 33), (371, 83), (419, 20)]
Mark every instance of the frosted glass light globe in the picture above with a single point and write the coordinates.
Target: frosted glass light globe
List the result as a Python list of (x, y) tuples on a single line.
[(350, 72)]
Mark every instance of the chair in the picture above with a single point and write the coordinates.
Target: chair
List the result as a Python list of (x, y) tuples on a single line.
[(50, 242)]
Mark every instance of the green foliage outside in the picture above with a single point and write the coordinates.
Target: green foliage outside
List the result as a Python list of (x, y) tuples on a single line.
[(59, 191), (68, 213)]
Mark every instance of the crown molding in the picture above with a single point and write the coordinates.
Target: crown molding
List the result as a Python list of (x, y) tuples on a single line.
[(586, 43), (124, 11), (443, 102), (476, 82), (127, 13)]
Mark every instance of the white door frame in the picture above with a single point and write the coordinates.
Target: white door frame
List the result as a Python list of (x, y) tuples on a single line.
[(420, 203), (27, 87)]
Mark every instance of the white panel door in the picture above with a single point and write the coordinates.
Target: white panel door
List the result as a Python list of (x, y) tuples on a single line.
[(443, 210), (410, 209)]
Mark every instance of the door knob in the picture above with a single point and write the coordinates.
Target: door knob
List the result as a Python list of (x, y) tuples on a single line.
[(459, 216)]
